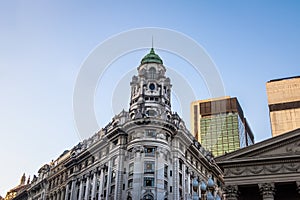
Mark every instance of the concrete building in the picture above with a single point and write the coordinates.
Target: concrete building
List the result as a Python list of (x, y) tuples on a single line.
[(268, 170), (284, 104), (143, 153), (219, 125)]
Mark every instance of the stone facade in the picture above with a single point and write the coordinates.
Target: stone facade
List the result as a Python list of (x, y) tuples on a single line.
[(267, 170), (144, 153), (284, 104)]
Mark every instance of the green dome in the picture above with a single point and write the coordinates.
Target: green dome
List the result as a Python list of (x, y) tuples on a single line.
[(152, 57)]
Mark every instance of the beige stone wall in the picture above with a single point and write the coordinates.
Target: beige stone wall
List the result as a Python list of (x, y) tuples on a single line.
[(283, 91), (284, 120)]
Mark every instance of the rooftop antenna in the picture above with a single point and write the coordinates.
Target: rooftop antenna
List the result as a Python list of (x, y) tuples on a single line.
[(152, 41)]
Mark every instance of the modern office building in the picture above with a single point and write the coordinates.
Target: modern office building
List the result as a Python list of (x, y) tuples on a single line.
[(143, 153), (284, 104), (219, 125)]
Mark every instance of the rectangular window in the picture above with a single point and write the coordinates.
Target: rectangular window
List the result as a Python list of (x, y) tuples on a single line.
[(148, 182), (130, 181), (180, 165), (114, 161), (113, 177), (171, 189), (112, 189), (180, 179), (130, 169), (166, 171), (149, 151), (165, 185), (149, 167)]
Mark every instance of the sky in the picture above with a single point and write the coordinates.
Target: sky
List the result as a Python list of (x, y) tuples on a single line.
[(43, 45)]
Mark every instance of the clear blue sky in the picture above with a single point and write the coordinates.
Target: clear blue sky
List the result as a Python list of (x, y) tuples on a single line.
[(43, 44)]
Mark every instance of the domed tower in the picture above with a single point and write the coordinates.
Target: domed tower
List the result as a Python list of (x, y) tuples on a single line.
[(149, 130), (151, 89)]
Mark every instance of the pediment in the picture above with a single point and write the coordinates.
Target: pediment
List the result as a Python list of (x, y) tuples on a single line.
[(287, 144)]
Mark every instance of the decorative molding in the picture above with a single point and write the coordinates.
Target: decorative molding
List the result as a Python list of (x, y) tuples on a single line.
[(231, 192), (267, 169), (293, 148), (267, 190)]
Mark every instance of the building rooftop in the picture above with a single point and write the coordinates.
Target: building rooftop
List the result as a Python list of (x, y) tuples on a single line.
[(286, 78)]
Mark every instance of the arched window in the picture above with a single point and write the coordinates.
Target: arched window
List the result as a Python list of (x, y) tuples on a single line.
[(152, 73)]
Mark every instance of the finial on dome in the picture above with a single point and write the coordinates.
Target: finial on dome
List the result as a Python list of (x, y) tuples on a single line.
[(151, 57)]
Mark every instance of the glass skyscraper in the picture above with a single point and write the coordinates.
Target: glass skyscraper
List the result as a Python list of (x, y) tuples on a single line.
[(220, 126)]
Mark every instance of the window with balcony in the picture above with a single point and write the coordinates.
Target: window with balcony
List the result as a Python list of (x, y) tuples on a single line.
[(130, 169), (130, 182), (149, 167), (148, 182), (150, 151)]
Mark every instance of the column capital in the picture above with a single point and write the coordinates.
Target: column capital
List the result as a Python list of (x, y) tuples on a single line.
[(267, 190), (231, 192), (298, 186)]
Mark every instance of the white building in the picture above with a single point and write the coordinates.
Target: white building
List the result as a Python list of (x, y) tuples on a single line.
[(144, 153)]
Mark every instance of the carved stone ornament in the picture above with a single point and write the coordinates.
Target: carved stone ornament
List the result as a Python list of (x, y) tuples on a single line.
[(267, 190), (274, 168), (231, 192), (295, 148), (292, 167), (238, 170), (256, 169)]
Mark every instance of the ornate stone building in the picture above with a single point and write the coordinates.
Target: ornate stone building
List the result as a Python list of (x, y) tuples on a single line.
[(268, 170), (12, 193), (144, 153)]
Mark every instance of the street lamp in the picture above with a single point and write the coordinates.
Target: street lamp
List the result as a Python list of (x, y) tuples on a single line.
[(208, 191)]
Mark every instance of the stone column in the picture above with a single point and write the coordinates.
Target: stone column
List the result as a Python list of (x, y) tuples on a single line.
[(108, 179), (188, 183), (267, 191), (298, 186), (58, 195), (176, 178), (73, 190), (231, 192), (94, 185), (62, 194), (101, 184), (80, 189), (87, 187), (183, 181), (67, 192)]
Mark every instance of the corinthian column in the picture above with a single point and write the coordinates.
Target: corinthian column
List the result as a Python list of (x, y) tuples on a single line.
[(267, 191), (298, 186), (231, 192)]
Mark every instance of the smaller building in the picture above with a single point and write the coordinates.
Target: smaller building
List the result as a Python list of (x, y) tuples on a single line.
[(284, 104), (219, 125), (267, 170)]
